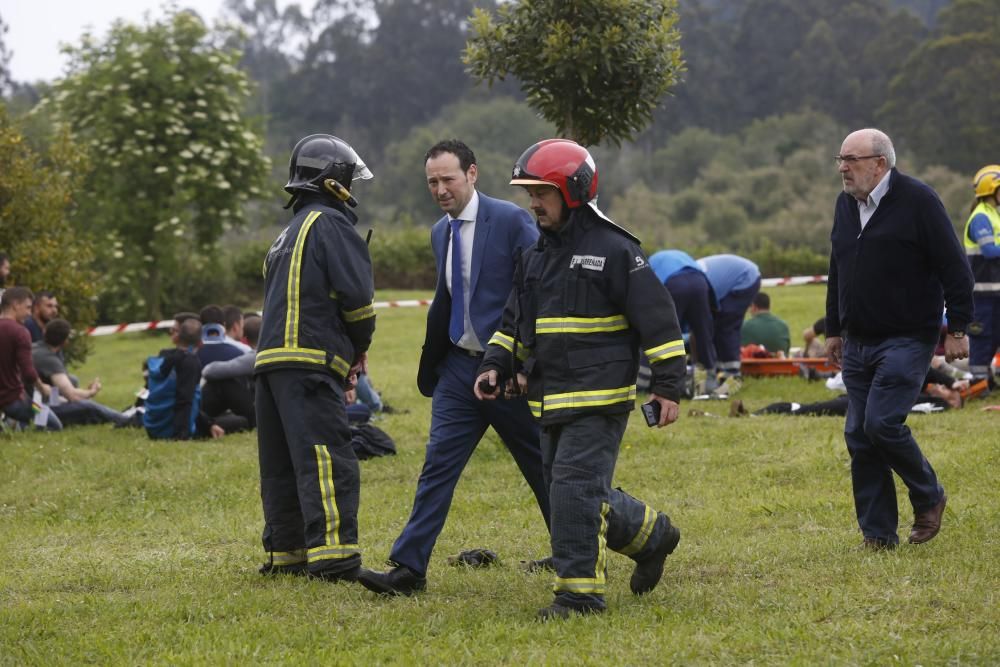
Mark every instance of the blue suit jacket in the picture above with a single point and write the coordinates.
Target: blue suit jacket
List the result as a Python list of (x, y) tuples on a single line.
[(503, 230)]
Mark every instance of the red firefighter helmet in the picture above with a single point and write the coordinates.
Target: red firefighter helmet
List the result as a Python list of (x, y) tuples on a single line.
[(562, 163)]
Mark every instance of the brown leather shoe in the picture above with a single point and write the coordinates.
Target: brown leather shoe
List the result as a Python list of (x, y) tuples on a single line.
[(927, 524)]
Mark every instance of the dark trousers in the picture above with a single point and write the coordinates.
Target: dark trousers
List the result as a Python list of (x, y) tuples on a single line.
[(883, 381), (458, 422), (85, 412), (588, 516), (230, 395), (984, 335), (729, 323), (692, 296), (309, 476)]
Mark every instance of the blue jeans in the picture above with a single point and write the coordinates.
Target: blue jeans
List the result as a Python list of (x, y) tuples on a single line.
[(21, 411), (883, 380)]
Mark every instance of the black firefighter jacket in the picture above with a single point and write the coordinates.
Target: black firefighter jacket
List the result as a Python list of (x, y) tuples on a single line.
[(584, 304), (318, 291)]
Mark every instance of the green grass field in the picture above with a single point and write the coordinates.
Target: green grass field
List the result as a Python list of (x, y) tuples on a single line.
[(121, 550)]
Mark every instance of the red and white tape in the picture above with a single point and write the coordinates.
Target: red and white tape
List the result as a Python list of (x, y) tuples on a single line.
[(793, 280), (107, 329)]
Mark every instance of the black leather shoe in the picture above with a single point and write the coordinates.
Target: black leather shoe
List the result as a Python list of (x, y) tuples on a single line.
[(400, 580), (648, 571)]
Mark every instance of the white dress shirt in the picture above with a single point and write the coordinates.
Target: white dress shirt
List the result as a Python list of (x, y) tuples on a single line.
[(867, 208)]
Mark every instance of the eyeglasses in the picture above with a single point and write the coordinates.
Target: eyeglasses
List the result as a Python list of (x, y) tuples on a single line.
[(852, 159)]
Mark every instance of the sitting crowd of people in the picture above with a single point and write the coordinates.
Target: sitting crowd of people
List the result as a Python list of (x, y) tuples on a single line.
[(199, 387)]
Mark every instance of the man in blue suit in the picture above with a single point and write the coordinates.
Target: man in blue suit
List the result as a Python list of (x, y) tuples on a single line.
[(476, 245)]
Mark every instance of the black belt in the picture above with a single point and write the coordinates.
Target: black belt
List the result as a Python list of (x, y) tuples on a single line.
[(472, 353)]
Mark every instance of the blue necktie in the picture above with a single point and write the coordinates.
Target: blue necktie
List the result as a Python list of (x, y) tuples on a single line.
[(456, 326)]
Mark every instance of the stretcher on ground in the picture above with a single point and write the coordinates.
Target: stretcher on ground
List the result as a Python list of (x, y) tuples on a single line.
[(787, 366)]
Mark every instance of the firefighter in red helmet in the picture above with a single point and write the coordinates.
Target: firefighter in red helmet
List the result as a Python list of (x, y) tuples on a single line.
[(584, 305)]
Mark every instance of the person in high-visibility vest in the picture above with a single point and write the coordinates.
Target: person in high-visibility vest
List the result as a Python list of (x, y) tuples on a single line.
[(982, 246)]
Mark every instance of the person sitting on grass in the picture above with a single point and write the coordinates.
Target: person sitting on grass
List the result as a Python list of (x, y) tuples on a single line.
[(185, 418), (76, 406)]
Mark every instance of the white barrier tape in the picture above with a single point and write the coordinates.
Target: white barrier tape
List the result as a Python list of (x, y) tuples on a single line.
[(107, 329)]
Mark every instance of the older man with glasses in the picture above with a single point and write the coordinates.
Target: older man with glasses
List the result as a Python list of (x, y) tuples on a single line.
[(894, 264)]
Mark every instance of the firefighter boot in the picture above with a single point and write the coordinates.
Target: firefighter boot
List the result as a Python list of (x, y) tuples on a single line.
[(648, 571)]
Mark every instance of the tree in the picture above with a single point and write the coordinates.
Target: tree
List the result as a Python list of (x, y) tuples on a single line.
[(161, 107), (944, 101), (5, 80), (596, 69), (37, 193)]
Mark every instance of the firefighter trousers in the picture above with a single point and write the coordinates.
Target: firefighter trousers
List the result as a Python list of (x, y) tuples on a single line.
[(309, 476), (588, 515)]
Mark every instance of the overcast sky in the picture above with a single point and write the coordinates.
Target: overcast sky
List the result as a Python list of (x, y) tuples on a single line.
[(37, 27)]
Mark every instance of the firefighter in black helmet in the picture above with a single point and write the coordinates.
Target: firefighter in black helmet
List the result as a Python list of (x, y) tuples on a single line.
[(317, 325), (588, 301)]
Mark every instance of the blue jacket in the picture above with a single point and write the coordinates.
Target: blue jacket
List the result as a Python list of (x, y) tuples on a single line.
[(893, 278), (503, 230)]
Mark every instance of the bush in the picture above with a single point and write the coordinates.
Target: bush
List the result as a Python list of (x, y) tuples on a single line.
[(403, 258)]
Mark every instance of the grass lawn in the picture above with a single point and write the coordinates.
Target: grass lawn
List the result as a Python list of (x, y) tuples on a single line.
[(120, 550)]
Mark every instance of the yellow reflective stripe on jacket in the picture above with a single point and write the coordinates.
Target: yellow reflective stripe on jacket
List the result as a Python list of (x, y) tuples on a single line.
[(640, 539), (674, 348), (586, 399), (551, 325), (362, 313), (340, 365), (306, 355), (294, 279), (285, 354), (536, 409), (287, 557), (507, 343)]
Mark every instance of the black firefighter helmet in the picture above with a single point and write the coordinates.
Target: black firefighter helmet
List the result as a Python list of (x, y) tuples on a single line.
[(319, 157)]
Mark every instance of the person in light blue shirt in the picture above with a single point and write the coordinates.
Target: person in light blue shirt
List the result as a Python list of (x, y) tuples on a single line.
[(695, 302), (735, 280)]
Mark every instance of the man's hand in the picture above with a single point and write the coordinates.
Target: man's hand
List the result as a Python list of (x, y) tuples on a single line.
[(95, 386), (360, 365), (956, 348), (522, 386), (834, 350), (491, 379), (669, 411), (216, 431)]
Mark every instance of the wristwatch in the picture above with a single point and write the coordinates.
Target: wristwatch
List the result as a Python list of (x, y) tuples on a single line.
[(957, 334)]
